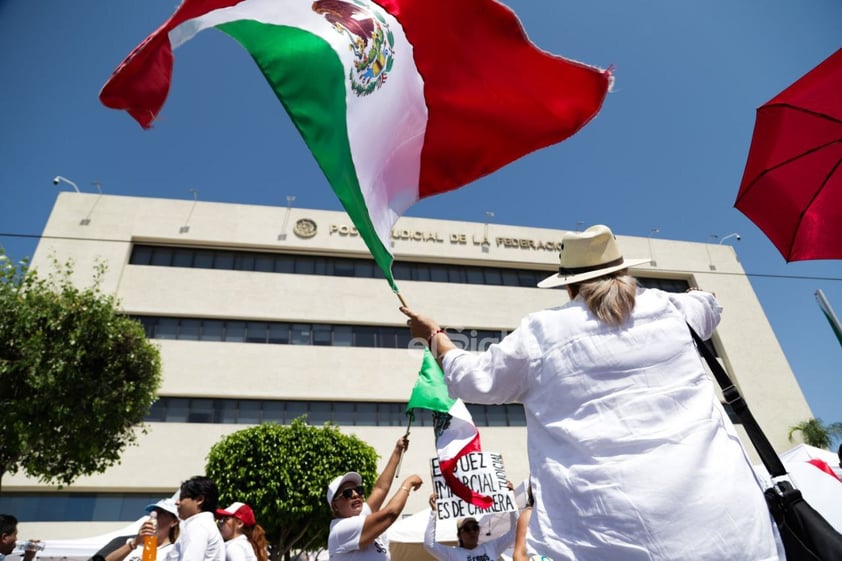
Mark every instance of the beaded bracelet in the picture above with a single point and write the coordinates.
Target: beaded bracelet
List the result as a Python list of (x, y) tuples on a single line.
[(433, 334)]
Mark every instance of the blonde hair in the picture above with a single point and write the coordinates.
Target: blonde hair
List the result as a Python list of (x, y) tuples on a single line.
[(610, 297)]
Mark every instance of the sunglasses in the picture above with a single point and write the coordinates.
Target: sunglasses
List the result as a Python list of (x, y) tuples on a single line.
[(222, 521), (470, 528), (349, 492)]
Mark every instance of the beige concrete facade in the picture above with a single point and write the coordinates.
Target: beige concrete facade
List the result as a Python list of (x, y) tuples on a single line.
[(91, 228)]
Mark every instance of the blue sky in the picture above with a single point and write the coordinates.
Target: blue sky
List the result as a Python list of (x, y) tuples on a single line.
[(667, 150)]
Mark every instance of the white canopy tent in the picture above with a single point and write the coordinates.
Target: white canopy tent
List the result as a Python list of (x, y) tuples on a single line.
[(820, 489), (805, 453), (80, 549)]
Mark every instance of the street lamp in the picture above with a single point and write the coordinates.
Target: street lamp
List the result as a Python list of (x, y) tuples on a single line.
[(283, 235), (652, 232), (59, 179), (734, 235), (711, 238), (186, 228), (486, 246)]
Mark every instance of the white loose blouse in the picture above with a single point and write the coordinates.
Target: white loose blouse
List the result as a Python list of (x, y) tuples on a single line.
[(632, 456)]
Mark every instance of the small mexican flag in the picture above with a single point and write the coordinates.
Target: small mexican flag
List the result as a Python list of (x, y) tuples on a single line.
[(456, 434), (397, 99)]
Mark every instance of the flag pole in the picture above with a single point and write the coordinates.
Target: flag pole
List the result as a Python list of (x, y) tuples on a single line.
[(408, 424), (403, 303), (828, 312)]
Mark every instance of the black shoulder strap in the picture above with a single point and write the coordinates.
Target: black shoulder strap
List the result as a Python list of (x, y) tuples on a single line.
[(740, 407)]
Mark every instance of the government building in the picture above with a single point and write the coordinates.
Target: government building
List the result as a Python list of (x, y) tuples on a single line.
[(269, 313)]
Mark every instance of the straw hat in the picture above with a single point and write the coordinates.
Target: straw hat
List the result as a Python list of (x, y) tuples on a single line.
[(587, 255)]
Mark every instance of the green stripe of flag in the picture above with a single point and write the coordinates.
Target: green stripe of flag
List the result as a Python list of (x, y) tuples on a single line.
[(309, 80), (430, 391)]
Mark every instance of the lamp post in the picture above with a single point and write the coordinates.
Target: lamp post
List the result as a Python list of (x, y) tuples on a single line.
[(652, 232), (733, 235), (710, 239), (186, 228), (485, 244), (283, 235), (59, 179)]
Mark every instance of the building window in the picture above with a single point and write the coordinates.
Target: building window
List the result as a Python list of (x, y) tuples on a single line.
[(323, 334), (75, 507), (344, 413), (226, 259)]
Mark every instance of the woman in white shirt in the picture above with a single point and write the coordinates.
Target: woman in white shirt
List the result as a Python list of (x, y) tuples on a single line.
[(360, 519), (245, 539), (166, 532), (632, 455)]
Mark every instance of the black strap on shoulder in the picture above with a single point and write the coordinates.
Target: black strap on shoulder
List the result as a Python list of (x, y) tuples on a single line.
[(740, 407)]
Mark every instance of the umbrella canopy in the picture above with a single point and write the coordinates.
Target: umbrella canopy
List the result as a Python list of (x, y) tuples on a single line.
[(792, 184)]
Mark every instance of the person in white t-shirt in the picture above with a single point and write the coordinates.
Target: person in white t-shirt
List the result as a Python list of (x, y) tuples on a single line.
[(200, 539), (165, 529), (245, 539), (356, 531), (467, 534)]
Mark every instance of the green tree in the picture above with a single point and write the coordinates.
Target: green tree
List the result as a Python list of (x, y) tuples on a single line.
[(815, 433), (76, 376), (282, 472)]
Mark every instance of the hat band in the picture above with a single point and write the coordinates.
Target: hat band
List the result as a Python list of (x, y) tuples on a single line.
[(567, 271)]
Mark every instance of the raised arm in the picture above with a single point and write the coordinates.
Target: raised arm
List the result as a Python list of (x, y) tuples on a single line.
[(378, 522), (433, 547), (384, 481), (147, 529), (520, 553)]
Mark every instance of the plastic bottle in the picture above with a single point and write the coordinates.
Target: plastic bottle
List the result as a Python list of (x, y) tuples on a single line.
[(150, 543)]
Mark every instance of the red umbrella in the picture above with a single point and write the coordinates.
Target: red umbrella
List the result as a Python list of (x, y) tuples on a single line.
[(792, 184)]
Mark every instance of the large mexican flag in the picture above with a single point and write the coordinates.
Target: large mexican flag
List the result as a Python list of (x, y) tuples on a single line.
[(397, 99)]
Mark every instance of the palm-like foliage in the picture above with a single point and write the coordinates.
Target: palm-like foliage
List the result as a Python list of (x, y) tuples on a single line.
[(815, 433)]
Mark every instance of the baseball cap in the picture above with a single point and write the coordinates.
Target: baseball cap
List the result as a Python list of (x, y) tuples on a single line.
[(167, 505), (338, 482), (241, 511)]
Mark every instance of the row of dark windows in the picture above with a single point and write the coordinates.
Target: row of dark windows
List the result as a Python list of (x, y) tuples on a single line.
[(319, 334), (231, 260), (343, 413), (75, 507)]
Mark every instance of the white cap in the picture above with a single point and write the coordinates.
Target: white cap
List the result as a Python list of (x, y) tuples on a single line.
[(334, 486), (167, 505)]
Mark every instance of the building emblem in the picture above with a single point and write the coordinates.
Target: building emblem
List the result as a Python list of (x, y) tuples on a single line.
[(370, 39), (305, 228)]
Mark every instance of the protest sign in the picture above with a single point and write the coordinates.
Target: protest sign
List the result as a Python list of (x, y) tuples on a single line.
[(484, 473)]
